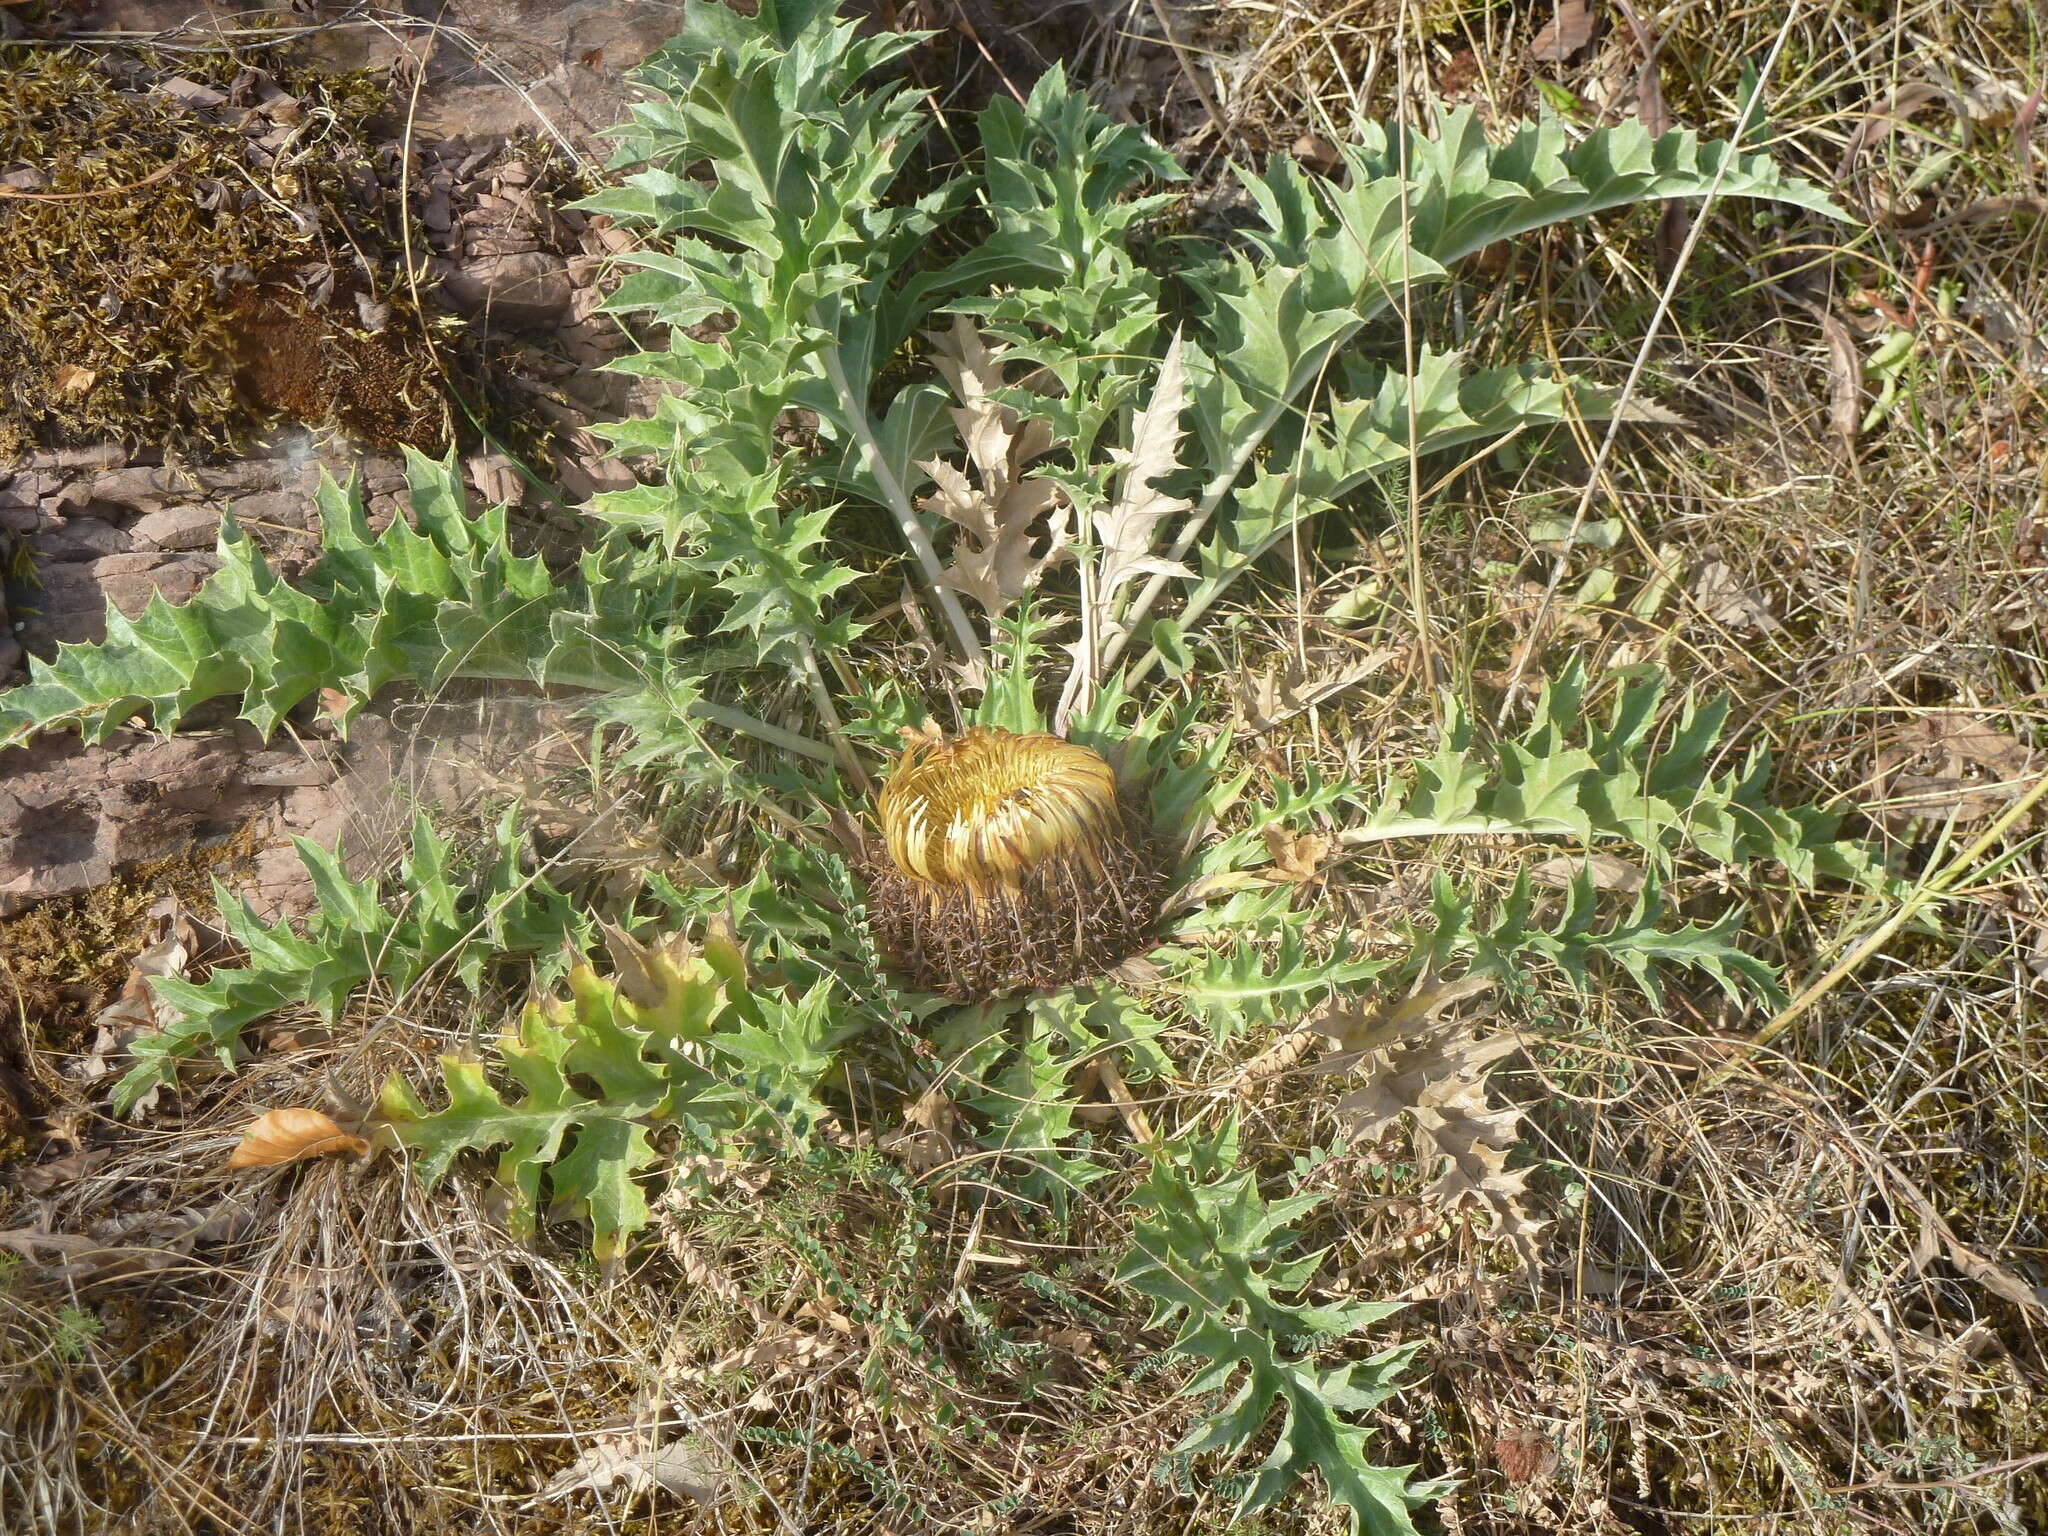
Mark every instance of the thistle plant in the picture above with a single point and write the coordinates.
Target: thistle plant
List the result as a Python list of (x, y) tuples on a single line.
[(1062, 877), (1010, 861)]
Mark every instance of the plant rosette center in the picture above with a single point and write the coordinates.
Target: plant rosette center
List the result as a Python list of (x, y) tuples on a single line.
[(1012, 862)]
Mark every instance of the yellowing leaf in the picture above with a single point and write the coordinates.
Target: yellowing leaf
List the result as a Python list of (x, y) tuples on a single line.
[(291, 1135)]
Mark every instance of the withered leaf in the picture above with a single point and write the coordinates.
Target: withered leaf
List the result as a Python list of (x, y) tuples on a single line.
[(1432, 1076), (282, 1136), (1607, 871), (1726, 599), (1569, 29), (1126, 527), (1524, 1455), (688, 1468), (999, 512), (70, 379), (1295, 859), (926, 1139)]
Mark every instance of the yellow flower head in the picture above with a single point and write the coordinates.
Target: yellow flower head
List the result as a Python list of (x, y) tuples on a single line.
[(1011, 862), (978, 811)]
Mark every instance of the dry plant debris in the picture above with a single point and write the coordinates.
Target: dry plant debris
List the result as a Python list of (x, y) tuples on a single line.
[(167, 232), (280, 1136)]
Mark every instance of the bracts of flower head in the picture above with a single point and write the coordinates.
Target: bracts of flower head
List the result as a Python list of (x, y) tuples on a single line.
[(1012, 862)]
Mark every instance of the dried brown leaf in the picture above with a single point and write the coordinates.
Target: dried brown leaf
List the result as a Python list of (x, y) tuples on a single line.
[(1608, 872), (1726, 599), (70, 379), (688, 1468), (1295, 859), (1524, 1454), (1432, 1077), (282, 1136), (1126, 527), (927, 1138), (1317, 153), (60, 1171), (1569, 29), (1003, 514), (1845, 380), (1952, 766)]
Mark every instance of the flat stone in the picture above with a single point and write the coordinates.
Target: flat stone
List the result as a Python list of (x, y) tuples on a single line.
[(80, 538), (71, 604), (179, 528), (523, 289)]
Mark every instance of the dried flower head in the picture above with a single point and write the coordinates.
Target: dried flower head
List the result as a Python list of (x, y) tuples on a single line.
[(1012, 861)]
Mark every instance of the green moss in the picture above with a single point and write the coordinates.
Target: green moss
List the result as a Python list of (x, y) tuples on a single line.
[(138, 265)]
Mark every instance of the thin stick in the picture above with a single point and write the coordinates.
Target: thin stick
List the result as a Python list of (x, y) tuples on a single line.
[(1925, 894)]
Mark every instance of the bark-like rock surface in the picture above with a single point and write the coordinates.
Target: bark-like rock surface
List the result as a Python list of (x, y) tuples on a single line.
[(81, 528)]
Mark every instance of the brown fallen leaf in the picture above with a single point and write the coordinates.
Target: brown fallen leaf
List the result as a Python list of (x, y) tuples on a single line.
[(70, 379), (1951, 765), (927, 1138), (1317, 153), (1295, 859), (1725, 598), (1845, 381), (1607, 872), (1524, 1455), (60, 1171), (1429, 1072), (1569, 29), (291, 1135), (689, 1467)]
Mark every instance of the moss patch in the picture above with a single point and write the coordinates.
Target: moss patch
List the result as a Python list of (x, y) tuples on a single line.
[(65, 959), (142, 234)]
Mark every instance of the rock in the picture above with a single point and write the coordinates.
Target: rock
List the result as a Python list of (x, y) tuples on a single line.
[(80, 538), (71, 816), (269, 511), (72, 601), (71, 460), (178, 528), (528, 288), (569, 61)]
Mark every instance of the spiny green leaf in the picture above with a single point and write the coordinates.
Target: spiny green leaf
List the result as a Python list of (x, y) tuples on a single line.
[(635, 1039), (1217, 1260), (393, 931)]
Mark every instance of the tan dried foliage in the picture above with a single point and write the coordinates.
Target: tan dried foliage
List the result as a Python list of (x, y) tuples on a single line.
[(1607, 871), (1569, 29), (1126, 528), (1952, 764), (281, 1136), (1296, 858), (929, 1136), (999, 518), (1428, 1071), (687, 1468)]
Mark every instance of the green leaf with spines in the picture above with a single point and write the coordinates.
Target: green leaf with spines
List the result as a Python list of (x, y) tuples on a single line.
[(450, 600), (1217, 1260), (1636, 780), (599, 1075), (393, 931)]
